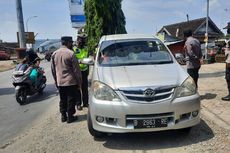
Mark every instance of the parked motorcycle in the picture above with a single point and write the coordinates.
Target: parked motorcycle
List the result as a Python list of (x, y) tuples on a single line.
[(180, 58), (24, 86)]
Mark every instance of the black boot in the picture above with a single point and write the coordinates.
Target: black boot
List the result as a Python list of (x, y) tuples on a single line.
[(86, 105), (71, 119), (63, 117), (227, 98)]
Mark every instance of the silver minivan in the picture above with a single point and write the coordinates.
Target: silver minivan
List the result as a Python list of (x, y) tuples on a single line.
[(138, 86)]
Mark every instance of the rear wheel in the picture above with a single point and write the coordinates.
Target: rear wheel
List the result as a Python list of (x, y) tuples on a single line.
[(40, 91), (92, 131), (21, 96), (43, 85)]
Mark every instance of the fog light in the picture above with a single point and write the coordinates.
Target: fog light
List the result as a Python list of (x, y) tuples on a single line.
[(100, 119), (111, 121), (195, 113)]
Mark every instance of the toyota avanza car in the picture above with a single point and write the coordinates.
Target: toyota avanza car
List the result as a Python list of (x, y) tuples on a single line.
[(138, 86)]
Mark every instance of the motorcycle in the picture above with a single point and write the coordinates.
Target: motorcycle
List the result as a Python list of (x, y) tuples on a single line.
[(24, 86)]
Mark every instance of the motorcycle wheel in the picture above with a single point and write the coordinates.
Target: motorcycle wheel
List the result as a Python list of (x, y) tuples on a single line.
[(40, 91), (21, 96)]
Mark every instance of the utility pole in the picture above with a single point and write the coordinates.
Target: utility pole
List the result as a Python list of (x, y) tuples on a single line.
[(206, 34), (21, 31)]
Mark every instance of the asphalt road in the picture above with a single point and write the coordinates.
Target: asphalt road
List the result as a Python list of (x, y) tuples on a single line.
[(15, 118)]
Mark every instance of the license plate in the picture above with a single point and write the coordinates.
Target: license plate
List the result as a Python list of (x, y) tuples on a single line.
[(150, 123)]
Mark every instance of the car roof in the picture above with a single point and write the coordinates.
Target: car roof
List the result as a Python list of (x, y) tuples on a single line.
[(126, 36)]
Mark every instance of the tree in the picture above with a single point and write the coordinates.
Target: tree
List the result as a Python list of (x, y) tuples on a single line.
[(103, 17)]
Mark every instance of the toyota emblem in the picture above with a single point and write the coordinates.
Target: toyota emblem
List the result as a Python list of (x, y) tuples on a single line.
[(149, 93)]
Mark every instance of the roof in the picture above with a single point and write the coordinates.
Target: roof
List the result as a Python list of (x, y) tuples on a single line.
[(50, 41), (177, 29), (228, 26), (126, 36), (174, 42)]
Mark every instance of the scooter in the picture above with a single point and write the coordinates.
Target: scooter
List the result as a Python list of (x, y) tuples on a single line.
[(24, 86)]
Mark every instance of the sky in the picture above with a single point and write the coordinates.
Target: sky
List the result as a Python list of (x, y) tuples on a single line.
[(142, 16)]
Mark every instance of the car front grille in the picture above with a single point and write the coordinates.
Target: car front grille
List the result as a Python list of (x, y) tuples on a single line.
[(138, 94)]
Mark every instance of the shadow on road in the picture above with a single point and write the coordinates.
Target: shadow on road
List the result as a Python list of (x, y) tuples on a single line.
[(159, 140), (208, 96), (212, 75), (7, 91), (81, 118), (49, 91)]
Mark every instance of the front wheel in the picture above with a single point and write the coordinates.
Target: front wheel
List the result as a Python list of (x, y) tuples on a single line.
[(21, 96), (92, 131)]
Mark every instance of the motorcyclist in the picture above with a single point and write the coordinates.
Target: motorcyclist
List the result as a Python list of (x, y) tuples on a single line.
[(31, 55), (31, 81), (34, 64), (36, 72), (23, 65)]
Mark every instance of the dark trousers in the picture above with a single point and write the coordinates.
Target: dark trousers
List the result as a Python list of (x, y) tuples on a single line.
[(84, 87), (227, 77), (69, 95), (194, 73)]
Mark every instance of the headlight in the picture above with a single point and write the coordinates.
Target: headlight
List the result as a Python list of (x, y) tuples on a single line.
[(104, 92), (188, 88)]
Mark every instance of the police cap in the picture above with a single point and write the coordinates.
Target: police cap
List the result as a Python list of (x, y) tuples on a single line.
[(66, 39)]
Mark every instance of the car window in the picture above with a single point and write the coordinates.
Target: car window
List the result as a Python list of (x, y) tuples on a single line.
[(134, 53)]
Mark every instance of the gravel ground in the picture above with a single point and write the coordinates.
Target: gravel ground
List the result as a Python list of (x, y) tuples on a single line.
[(6, 65)]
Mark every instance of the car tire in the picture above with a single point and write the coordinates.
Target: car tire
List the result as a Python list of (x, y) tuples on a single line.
[(92, 131)]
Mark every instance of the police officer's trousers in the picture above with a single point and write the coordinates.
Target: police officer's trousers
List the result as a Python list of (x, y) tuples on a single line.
[(69, 95)]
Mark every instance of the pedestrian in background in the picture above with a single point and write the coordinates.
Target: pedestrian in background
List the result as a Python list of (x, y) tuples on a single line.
[(81, 52), (193, 55), (227, 70), (67, 76)]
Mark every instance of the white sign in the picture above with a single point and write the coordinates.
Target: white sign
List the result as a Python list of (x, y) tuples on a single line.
[(77, 15)]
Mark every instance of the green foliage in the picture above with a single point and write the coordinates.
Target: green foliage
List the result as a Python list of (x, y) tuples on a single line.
[(227, 36), (103, 17)]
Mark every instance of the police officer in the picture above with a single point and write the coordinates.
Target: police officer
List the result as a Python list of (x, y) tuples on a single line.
[(81, 52), (227, 71), (67, 76)]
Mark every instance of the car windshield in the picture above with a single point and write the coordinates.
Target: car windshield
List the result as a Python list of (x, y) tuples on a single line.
[(134, 53)]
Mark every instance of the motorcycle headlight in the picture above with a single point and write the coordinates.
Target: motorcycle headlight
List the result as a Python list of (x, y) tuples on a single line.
[(103, 92), (187, 88)]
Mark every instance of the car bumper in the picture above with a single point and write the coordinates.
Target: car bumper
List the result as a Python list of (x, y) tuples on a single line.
[(118, 117)]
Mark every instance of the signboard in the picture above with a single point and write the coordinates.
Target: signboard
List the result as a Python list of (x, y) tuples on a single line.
[(29, 37), (77, 15)]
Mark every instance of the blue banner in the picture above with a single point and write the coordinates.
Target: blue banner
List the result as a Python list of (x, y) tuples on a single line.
[(78, 18), (77, 15)]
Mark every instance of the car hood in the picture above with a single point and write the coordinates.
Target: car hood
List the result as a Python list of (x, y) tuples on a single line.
[(142, 75)]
